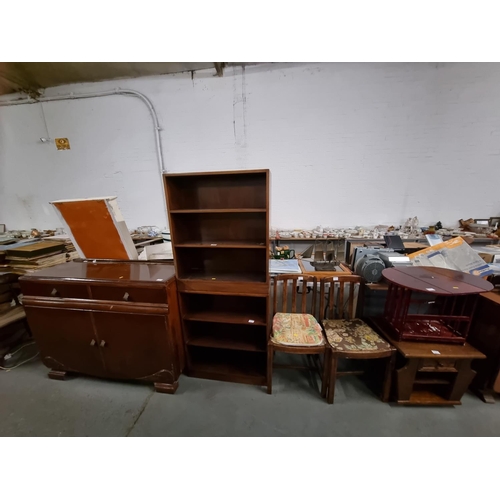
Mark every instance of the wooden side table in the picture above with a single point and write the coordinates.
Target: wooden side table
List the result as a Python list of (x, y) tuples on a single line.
[(430, 373)]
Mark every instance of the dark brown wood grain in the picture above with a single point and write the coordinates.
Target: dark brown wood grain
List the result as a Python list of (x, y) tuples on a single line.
[(107, 320), (248, 338), (222, 264), (216, 230), (485, 336), (430, 373), (224, 287), (241, 189)]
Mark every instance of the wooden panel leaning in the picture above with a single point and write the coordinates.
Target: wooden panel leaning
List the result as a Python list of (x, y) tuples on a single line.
[(295, 329), (347, 336)]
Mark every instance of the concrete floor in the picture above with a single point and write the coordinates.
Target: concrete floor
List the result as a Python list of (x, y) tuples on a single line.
[(33, 405)]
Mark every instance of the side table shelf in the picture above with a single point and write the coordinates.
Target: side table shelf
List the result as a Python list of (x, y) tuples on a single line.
[(430, 373)]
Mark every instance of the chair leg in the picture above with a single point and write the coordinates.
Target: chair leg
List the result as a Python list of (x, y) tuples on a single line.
[(325, 374), (332, 377), (389, 369), (270, 359)]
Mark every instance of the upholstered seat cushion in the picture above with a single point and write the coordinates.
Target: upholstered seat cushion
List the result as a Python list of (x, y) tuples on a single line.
[(353, 335), (296, 330)]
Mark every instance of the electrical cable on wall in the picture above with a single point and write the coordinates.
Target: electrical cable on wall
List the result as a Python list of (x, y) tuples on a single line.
[(45, 139), (118, 91)]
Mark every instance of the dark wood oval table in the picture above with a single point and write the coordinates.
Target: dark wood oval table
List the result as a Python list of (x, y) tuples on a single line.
[(444, 312), (442, 281)]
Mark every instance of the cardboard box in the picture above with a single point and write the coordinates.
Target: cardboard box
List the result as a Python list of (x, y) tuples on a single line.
[(487, 257), (453, 254)]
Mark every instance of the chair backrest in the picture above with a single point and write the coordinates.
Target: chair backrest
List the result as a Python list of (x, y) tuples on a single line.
[(308, 288), (338, 301)]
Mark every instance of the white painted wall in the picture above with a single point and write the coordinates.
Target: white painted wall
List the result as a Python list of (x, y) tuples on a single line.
[(347, 144)]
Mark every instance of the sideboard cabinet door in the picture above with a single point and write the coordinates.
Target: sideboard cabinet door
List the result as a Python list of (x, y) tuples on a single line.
[(135, 346), (66, 339)]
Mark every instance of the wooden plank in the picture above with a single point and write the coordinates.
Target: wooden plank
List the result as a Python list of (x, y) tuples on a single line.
[(97, 230), (35, 250)]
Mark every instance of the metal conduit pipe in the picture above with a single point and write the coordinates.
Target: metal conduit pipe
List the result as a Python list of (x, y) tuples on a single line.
[(118, 91)]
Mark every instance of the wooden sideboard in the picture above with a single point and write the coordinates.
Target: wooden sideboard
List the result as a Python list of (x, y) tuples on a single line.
[(112, 320)]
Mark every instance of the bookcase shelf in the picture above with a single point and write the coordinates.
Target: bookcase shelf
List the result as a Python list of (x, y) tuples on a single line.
[(221, 244), (225, 336), (218, 191), (215, 227), (228, 365), (219, 223), (228, 276), (221, 211), (226, 317), (226, 264)]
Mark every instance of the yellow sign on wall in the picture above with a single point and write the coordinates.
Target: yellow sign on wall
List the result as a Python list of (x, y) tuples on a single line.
[(62, 143)]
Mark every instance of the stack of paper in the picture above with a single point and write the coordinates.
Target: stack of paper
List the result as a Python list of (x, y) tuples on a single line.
[(288, 266), (36, 255)]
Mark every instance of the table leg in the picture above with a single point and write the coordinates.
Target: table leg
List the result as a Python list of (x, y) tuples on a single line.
[(486, 395), (406, 378), (389, 369), (462, 380)]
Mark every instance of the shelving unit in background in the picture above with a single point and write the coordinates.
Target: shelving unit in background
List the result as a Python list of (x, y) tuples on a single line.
[(219, 222), (344, 245), (304, 243)]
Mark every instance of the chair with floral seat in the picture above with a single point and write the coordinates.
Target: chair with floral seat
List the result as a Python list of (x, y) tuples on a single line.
[(347, 336), (295, 329)]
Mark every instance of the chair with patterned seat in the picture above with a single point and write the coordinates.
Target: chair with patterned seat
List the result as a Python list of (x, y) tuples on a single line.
[(349, 337), (293, 331)]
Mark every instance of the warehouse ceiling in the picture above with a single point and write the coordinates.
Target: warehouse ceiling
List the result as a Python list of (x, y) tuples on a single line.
[(31, 77)]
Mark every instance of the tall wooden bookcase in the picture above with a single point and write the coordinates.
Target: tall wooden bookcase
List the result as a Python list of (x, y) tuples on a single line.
[(219, 223)]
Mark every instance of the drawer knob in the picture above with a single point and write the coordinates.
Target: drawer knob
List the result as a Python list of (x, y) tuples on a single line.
[(126, 296), (103, 343), (54, 292), (93, 342)]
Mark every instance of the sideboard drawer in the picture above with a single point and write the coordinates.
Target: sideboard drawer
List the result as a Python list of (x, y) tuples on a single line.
[(437, 365), (130, 294), (55, 290)]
